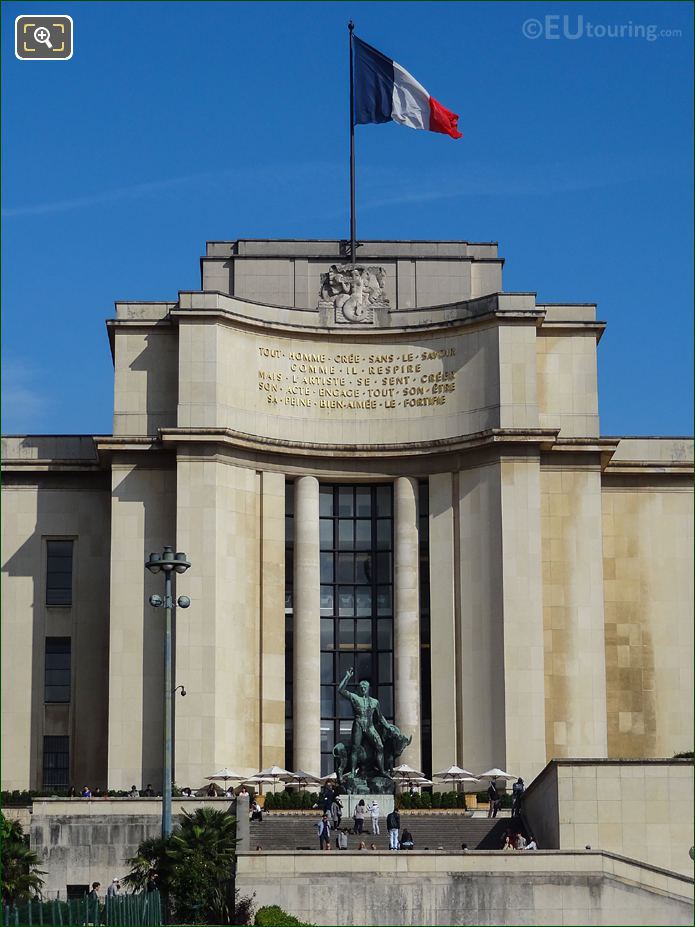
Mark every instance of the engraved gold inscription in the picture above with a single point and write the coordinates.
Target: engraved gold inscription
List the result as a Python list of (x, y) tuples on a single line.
[(396, 380)]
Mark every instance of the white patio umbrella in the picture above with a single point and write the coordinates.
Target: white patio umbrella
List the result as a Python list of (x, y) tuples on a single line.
[(496, 773), (275, 773), (331, 777), (260, 781), (456, 774), (303, 778), (224, 775), (407, 774)]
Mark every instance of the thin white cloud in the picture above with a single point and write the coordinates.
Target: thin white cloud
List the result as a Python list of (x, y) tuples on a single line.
[(95, 199), (24, 406), (494, 180), (269, 175)]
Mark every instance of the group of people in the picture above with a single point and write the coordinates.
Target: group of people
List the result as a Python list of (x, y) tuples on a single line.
[(517, 841), (362, 812), (495, 799), (85, 793), (328, 825), (114, 889), (149, 792), (134, 792)]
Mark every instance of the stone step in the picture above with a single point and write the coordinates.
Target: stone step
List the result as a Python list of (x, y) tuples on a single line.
[(285, 833)]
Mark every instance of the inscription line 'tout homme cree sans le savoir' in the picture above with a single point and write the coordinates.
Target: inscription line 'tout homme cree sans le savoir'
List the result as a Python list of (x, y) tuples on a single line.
[(409, 379)]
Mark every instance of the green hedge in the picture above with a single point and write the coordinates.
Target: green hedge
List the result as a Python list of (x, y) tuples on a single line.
[(291, 800), (273, 916), (427, 800), (505, 796)]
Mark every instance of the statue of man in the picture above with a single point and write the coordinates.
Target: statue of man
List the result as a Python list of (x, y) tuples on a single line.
[(365, 709)]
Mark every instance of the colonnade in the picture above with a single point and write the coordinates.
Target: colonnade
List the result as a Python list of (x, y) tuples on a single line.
[(307, 642)]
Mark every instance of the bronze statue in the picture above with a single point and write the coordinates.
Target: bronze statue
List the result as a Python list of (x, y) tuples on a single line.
[(374, 746)]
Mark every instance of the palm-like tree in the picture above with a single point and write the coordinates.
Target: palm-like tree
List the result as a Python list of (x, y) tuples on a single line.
[(21, 876), (151, 854), (208, 832), (202, 856), (194, 866)]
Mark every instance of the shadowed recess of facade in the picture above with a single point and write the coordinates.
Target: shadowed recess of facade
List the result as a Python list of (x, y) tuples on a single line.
[(397, 470)]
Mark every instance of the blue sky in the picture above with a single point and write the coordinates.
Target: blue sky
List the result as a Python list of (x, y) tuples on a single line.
[(179, 122)]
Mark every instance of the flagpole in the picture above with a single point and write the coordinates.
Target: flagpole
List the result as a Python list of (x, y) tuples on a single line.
[(351, 27)]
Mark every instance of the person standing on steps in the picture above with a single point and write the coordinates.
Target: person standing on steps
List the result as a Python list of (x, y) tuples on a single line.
[(324, 832), (359, 816), (393, 825), (493, 797), (517, 794), (374, 814), (336, 812)]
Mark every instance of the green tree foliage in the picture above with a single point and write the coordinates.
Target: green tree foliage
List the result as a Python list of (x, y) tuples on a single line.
[(273, 916), (151, 856), (194, 866), (21, 876)]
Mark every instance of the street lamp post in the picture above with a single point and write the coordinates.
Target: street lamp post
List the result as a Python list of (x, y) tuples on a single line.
[(168, 562)]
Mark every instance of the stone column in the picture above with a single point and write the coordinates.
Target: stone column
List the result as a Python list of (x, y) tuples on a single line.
[(307, 633), (218, 638), (272, 619), (406, 616)]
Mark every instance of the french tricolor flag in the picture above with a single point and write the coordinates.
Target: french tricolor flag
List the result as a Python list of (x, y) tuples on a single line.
[(384, 90)]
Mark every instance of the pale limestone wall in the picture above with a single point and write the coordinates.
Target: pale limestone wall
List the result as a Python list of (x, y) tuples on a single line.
[(567, 382), (643, 810), (418, 274), (69, 505), (481, 734), (80, 841), (662, 451), (218, 638), (648, 593), (486, 277), (500, 709), (142, 520), (445, 629), (145, 378), (575, 675), (21, 629), (272, 592), (477, 888), (541, 810), (256, 382), (517, 376), (523, 616)]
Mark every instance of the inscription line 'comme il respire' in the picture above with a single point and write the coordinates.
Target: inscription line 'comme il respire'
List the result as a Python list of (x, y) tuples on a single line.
[(394, 380)]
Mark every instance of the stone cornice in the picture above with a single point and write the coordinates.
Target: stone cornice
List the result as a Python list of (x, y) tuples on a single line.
[(540, 437), (155, 451)]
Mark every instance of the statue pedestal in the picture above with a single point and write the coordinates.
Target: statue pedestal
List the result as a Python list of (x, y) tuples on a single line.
[(385, 803)]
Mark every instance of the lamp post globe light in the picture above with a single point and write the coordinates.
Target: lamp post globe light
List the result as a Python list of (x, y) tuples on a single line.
[(167, 562)]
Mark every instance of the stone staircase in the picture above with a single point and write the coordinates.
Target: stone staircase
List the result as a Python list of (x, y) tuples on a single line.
[(430, 832)]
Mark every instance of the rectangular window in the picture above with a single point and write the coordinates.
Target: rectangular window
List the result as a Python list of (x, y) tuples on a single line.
[(57, 671), (356, 564), (56, 762), (59, 572)]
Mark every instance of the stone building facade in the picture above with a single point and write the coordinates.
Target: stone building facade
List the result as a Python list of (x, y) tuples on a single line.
[(396, 467)]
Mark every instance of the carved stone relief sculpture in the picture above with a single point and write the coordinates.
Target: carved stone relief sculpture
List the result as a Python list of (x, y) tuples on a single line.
[(353, 293)]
